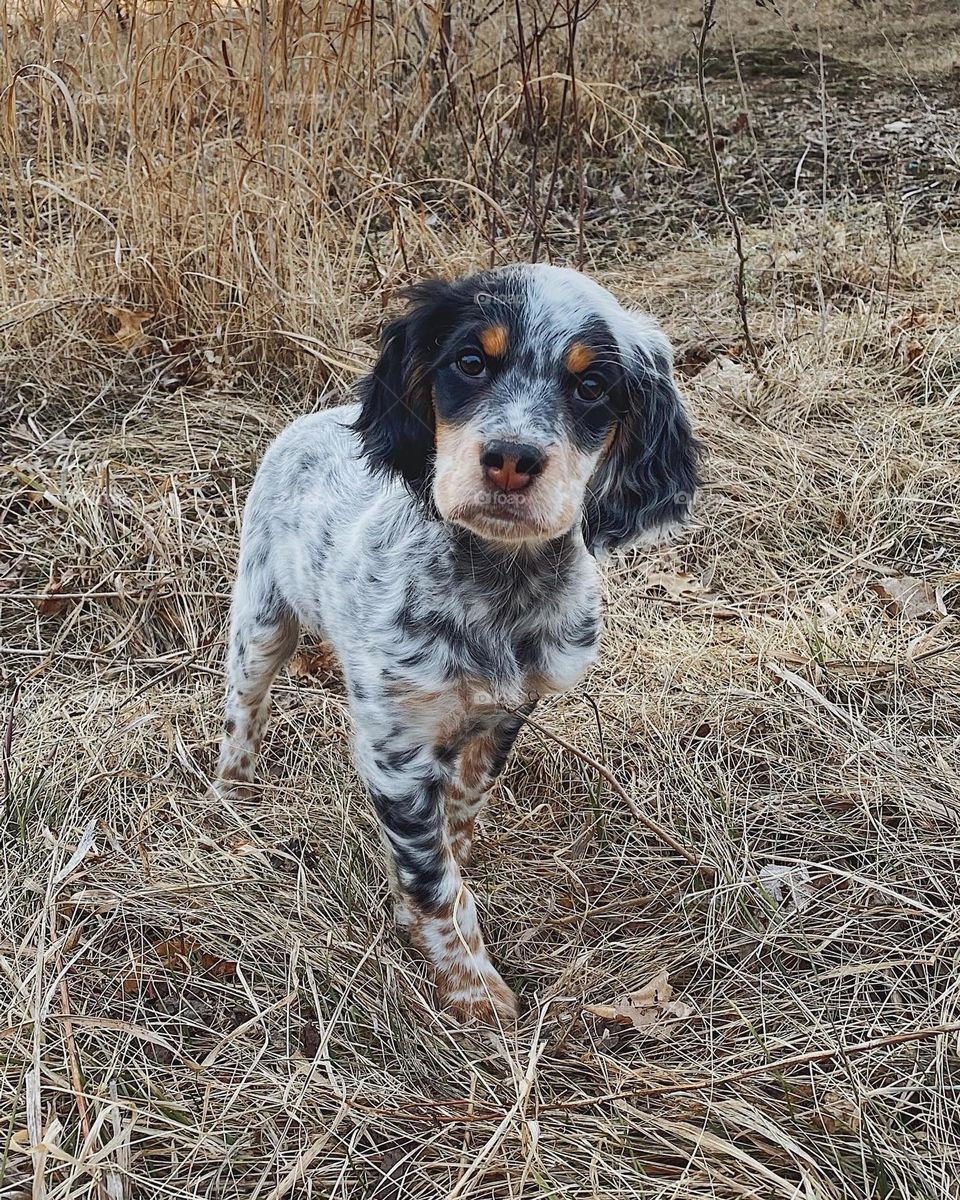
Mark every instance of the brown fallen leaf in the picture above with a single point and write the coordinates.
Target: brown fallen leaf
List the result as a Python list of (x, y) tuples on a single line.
[(184, 953), (179, 955), (725, 377), (650, 1010), (837, 1113), (915, 319), (184, 365), (310, 1039), (241, 846), (319, 663), (691, 358), (910, 598), (788, 887), (676, 584), (53, 603), (219, 968), (129, 334), (654, 993)]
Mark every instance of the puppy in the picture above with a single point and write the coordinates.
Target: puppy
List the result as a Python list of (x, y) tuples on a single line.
[(441, 534)]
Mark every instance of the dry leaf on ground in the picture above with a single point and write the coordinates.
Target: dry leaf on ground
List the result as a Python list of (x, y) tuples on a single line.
[(56, 598), (910, 598), (180, 955), (727, 378), (318, 663), (838, 1113), (789, 886), (690, 360), (184, 366), (129, 334), (651, 1009), (676, 584)]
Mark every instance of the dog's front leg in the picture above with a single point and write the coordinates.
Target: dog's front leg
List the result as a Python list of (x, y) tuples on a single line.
[(408, 784), (480, 761)]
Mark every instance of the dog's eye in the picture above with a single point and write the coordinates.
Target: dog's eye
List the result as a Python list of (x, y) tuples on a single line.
[(591, 388), (471, 362)]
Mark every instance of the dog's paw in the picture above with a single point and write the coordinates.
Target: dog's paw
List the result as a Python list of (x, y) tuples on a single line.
[(228, 790), (485, 1000)]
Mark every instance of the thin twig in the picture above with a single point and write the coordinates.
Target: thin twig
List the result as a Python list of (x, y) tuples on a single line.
[(73, 1058), (573, 20), (446, 52), (264, 71), (8, 751), (740, 286), (654, 827)]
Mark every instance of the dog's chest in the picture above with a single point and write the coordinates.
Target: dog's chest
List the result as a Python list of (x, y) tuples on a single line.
[(496, 640), (511, 668)]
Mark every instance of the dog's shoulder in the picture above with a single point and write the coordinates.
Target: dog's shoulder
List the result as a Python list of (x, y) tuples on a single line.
[(318, 452), (327, 431)]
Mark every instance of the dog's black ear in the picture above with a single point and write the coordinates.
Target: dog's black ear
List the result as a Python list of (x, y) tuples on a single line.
[(396, 424), (645, 482)]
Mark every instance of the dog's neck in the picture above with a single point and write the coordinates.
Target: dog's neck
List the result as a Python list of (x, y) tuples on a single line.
[(516, 580)]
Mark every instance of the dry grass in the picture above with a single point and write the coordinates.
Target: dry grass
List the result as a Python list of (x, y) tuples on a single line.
[(211, 1001)]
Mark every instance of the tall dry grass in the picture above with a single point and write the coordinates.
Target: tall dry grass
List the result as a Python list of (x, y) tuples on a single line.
[(248, 173), (206, 215)]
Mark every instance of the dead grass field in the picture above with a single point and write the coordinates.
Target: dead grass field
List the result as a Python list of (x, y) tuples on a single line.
[(204, 222)]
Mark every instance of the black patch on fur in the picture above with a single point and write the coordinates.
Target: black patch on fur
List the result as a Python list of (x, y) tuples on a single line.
[(256, 558), (396, 426), (585, 633), (503, 738), (509, 582), (649, 474), (413, 825), (396, 760), (529, 649), (591, 422), (409, 662), (271, 612)]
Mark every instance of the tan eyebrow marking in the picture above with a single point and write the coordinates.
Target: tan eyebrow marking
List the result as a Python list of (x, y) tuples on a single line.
[(579, 357), (494, 341)]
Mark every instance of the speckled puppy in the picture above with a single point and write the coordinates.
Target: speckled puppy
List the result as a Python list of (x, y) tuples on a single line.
[(441, 535)]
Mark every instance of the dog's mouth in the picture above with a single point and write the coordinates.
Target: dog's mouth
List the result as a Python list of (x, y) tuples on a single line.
[(502, 520)]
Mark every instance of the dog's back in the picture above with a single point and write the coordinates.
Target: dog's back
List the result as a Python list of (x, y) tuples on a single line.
[(315, 512)]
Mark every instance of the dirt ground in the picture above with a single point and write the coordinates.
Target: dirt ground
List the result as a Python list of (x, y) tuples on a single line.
[(210, 999)]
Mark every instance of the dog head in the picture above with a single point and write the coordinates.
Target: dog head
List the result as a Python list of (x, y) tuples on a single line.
[(521, 401)]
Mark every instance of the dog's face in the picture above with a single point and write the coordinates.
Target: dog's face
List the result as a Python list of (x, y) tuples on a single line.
[(524, 405), (522, 402)]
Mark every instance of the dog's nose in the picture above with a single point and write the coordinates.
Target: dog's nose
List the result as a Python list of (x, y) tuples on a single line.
[(511, 466)]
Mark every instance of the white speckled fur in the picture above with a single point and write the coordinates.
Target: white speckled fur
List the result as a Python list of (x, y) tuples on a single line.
[(442, 635)]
